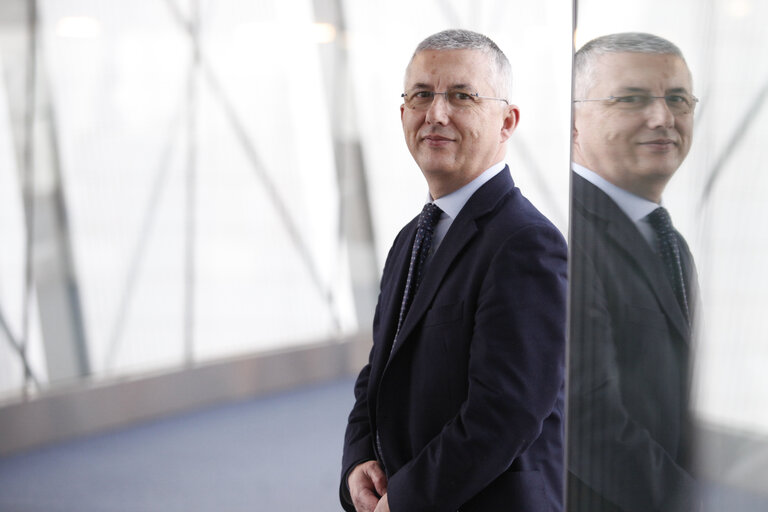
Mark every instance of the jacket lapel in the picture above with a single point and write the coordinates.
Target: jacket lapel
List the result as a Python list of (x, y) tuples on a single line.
[(627, 240), (392, 296), (462, 231)]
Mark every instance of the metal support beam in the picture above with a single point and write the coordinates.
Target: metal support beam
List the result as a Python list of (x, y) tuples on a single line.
[(51, 277), (356, 225)]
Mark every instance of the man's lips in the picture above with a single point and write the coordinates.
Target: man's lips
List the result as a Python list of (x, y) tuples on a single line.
[(659, 142), (436, 140)]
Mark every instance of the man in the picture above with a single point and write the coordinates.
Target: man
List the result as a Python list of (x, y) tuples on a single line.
[(461, 404), (633, 284)]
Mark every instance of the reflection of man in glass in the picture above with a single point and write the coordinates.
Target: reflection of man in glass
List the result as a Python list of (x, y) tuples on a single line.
[(633, 282)]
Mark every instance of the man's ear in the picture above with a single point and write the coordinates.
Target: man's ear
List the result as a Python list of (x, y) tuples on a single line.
[(574, 131), (511, 120)]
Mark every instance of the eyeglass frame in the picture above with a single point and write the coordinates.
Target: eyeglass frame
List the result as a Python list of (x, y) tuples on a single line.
[(445, 93), (694, 100)]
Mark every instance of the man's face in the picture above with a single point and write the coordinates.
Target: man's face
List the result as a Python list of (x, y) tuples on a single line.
[(637, 150), (454, 144)]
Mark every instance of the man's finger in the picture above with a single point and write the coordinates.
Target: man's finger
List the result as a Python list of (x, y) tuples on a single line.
[(365, 500), (378, 478), (383, 505)]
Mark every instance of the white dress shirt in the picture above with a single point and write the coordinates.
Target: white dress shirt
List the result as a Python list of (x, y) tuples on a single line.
[(452, 203)]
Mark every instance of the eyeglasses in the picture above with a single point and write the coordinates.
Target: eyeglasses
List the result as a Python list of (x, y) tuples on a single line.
[(458, 99), (678, 104)]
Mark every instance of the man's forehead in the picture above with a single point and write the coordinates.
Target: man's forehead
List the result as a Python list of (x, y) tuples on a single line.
[(452, 68), (633, 70)]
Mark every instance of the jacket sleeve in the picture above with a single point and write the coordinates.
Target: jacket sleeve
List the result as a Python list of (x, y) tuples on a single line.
[(358, 438)]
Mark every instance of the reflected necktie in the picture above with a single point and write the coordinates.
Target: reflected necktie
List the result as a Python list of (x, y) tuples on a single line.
[(421, 246), (669, 246)]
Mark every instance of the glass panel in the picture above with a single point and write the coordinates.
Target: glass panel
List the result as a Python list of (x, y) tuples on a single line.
[(628, 430)]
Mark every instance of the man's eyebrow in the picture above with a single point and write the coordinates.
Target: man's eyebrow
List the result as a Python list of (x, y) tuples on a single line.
[(678, 90), (422, 85), (648, 91), (464, 87), (627, 89)]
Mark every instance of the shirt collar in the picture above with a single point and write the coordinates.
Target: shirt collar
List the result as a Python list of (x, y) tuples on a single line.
[(635, 207), (452, 203)]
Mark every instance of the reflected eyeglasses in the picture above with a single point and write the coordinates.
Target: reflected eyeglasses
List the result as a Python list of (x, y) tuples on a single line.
[(678, 103)]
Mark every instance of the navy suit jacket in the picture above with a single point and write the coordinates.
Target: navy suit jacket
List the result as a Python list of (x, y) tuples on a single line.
[(628, 429), (468, 406)]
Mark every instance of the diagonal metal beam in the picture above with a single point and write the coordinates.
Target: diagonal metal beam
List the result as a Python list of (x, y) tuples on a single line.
[(20, 351), (729, 149), (28, 177), (50, 278), (258, 167), (355, 230), (139, 250), (284, 213)]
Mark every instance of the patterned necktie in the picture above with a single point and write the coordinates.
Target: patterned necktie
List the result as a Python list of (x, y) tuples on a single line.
[(421, 246), (670, 254)]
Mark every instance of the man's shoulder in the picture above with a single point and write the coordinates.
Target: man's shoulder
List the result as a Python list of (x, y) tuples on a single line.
[(587, 197), (602, 237), (592, 210), (516, 212), (515, 223)]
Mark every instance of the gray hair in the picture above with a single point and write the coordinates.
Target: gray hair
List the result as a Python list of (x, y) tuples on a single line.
[(625, 42), (458, 39)]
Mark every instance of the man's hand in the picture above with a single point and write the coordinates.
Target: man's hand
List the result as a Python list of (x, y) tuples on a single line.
[(367, 482), (383, 505)]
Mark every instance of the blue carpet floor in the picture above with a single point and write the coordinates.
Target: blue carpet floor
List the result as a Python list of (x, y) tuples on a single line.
[(279, 453)]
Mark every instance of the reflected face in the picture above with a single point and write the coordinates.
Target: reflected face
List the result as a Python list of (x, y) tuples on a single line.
[(454, 143), (638, 150)]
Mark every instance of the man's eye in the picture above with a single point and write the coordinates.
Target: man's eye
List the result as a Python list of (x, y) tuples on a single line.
[(634, 98), (462, 96), (423, 94), (676, 98)]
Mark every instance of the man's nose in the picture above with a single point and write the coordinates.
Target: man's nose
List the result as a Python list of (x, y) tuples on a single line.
[(659, 114), (438, 110)]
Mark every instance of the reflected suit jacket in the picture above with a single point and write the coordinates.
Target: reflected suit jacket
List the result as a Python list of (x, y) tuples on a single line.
[(628, 429), (468, 405)]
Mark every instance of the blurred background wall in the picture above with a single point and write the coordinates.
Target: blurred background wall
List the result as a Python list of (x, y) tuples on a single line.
[(196, 183), (197, 196)]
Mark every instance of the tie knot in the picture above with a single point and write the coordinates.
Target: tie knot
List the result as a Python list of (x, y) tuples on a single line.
[(429, 216), (660, 220)]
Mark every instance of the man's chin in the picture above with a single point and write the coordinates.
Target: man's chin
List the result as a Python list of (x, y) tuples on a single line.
[(437, 170), (437, 163), (664, 170)]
